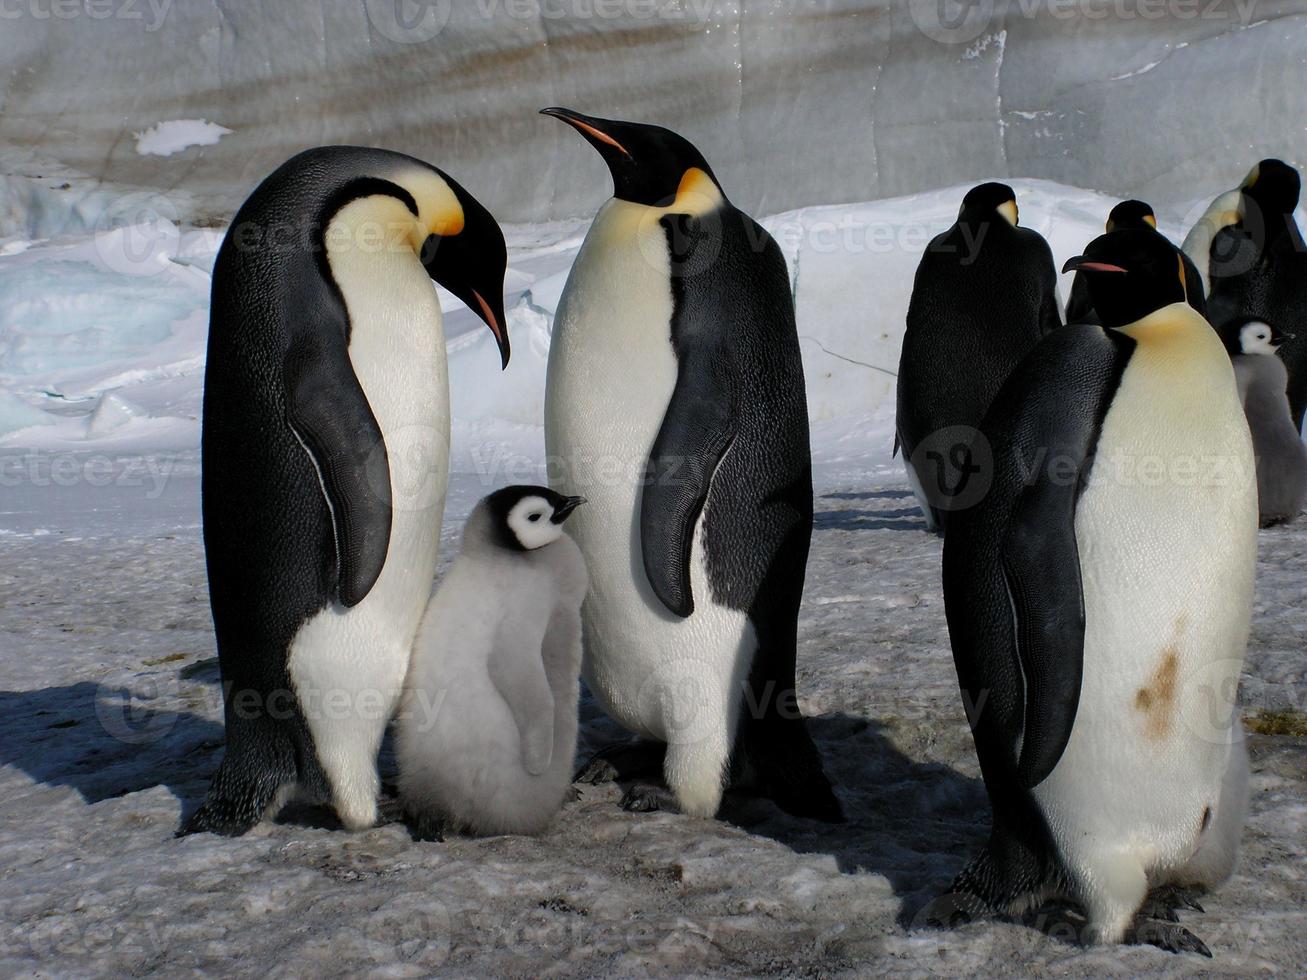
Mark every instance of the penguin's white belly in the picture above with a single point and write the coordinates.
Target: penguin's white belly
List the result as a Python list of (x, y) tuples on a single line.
[(351, 662), (612, 371), (1166, 531)]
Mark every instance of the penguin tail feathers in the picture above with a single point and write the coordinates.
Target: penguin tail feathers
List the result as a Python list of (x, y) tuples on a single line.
[(247, 785), (789, 770)]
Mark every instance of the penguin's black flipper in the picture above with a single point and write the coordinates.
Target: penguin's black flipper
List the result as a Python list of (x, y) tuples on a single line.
[(695, 435), (1042, 430), (330, 414)]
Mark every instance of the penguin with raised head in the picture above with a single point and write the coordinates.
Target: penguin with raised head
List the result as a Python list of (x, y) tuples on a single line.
[(1098, 600), (486, 737), (1278, 446), (675, 403), (1132, 214), (326, 447), (1252, 255), (984, 294)]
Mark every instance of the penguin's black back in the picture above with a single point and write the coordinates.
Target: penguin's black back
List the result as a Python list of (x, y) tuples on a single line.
[(757, 522), (971, 319)]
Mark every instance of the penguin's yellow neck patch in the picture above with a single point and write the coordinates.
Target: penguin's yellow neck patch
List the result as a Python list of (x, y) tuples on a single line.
[(1252, 177), (697, 194), (1008, 209), (439, 212), (1150, 221)]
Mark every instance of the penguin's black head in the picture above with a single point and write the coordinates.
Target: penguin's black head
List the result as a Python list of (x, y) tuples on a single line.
[(1250, 335), (1131, 214), (983, 200), (525, 518), (1273, 186), (650, 165), (469, 259), (1131, 272)]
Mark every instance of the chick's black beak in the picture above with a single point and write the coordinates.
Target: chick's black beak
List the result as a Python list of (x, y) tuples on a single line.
[(564, 510), (1084, 264)]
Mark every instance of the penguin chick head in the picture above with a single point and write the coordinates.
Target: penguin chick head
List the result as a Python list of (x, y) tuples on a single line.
[(1273, 186), (1131, 273), (1131, 214), (650, 165), (983, 200), (523, 518), (1249, 335)]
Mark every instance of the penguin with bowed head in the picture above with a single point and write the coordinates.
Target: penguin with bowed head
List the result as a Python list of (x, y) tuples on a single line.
[(1132, 214), (1278, 446), (326, 449), (985, 292), (1252, 255), (1098, 601), (486, 737), (675, 403)]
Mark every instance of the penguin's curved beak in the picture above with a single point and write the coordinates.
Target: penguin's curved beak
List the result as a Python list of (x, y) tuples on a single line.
[(471, 265), (564, 510), (1083, 264), (595, 130)]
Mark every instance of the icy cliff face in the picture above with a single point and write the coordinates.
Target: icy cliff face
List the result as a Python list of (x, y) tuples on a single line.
[(795, 102)]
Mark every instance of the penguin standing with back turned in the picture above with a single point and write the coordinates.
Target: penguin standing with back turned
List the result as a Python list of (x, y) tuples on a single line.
[(985, 292), (1278, 446), (326, 448), (675, 403), (1132, 214), (486, 737), (1098, 601), (1248, 247)]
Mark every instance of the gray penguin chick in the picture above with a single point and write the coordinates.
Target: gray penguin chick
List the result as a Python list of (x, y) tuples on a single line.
[(486, 735), (1263, 383)]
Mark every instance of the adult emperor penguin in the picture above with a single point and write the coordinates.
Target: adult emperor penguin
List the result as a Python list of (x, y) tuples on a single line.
[(326, 442), (1098, 601), (1278, 446), (1252, 254), (1132, 214), (984, 294), (675, 403), (486, 739)]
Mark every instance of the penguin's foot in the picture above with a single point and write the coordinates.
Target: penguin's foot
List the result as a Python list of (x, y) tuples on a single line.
[(1163, 903), (213, 818), (952, 909), (389, 811), (643, 798), (623, 761), (426, 827), (573, 795), (1168, 936)]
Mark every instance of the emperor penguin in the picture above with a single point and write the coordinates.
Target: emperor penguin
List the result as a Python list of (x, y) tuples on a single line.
[(486, 737), (1098, 601), (1278, 446), (325, 462), (675, 403), (1133, 214), (984, 294), (1252, 255)]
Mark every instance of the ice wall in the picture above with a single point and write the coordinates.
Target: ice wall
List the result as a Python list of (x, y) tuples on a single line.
[(796, 102)]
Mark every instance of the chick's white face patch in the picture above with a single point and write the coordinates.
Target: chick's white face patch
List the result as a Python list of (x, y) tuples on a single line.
[(1256, 338), (530, 521)]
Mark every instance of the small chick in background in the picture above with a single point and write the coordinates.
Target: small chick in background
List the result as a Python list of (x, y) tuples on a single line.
[(486, 736), (1263, 384)]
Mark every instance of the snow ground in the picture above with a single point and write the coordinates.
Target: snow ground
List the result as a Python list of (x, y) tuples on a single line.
[(111, 720)]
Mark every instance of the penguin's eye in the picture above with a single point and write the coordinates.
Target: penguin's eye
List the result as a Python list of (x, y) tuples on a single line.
[(535, 517)]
